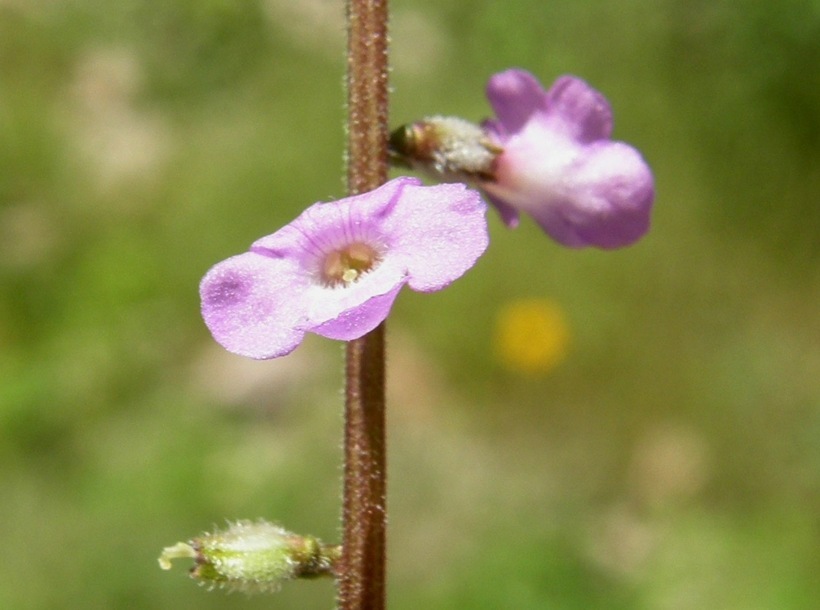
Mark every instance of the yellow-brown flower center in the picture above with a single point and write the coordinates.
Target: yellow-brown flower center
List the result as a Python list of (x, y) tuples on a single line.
[(345, 266)]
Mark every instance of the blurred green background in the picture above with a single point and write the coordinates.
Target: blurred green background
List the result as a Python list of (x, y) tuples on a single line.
[(669, 456)]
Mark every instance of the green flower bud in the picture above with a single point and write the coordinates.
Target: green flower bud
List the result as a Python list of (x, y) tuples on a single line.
[(253, 557)]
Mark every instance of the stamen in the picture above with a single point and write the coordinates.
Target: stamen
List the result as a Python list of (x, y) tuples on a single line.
[(345, 266)]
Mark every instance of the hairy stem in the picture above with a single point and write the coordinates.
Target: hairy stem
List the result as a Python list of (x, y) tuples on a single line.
[(367, 95), (361, 577)]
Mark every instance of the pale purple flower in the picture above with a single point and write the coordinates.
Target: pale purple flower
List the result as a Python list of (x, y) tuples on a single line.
[(336, 270), (559, 165)]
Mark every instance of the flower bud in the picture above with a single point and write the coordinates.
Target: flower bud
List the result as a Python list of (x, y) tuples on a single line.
[(253, 557)]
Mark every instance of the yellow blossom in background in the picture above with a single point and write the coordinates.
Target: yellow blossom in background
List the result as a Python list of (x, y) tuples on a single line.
[(531, 335)]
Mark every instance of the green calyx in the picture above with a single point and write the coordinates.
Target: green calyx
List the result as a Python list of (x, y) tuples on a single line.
[(253, 557)]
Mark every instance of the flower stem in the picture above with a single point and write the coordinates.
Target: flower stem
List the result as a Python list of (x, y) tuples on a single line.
[(361, 581), (361, 576), (367, 93)]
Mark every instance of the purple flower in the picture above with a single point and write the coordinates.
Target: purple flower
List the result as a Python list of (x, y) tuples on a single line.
[(559, 165), (336, 269)]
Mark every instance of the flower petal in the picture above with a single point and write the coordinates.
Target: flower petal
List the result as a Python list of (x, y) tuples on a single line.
[(437, 233), (324, 227), (606, 200), (578, 110), (326, 303), (509, 215), (356, 322), (515, 96), (253, 305)]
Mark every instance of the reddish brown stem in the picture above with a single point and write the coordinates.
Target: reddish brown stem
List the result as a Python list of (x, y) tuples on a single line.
[(367, 95), (361, 584), (361, 579)]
